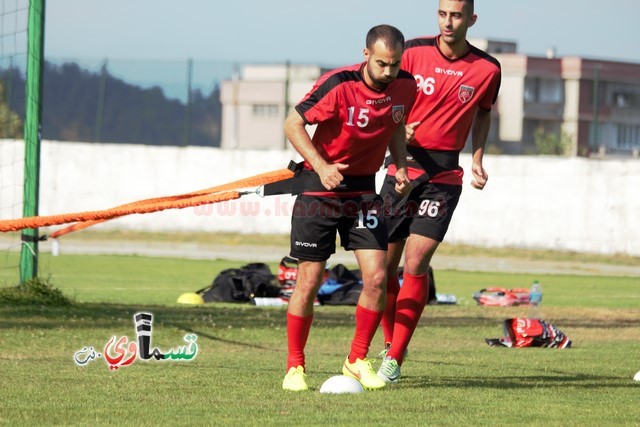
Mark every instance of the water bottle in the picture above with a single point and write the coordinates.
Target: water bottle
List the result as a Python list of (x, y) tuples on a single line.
[(535, 298), (264, 302)]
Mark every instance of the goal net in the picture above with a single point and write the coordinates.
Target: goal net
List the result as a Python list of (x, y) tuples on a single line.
[(21, 35)]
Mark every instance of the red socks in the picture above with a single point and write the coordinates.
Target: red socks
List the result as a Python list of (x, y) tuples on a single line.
[(367, 322), (298, 328), (409, 306), (389, 315), (297, 333)]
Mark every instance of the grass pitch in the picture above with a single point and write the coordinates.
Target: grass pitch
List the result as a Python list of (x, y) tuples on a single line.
[(450, 378)]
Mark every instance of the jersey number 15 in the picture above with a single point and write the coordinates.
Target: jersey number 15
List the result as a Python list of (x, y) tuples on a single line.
[(363, 117)]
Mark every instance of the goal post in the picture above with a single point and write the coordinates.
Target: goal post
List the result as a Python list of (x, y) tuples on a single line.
[(32, 137)]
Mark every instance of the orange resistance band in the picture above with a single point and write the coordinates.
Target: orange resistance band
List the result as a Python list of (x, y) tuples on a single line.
[(253, 181), (181, 201)]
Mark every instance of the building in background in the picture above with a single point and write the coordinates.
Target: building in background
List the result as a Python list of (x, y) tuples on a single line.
[(594, 104), (256, 103), (589, 106)]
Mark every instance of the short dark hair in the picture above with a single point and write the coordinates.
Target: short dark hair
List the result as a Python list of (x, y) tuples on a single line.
[(469, 3), (390, 35)]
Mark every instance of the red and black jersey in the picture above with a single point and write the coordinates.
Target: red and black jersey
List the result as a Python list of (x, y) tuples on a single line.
[(449, 91), (354, 121)]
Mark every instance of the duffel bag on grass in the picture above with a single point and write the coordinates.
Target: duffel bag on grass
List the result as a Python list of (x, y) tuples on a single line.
[(524, 332), (241, 284)]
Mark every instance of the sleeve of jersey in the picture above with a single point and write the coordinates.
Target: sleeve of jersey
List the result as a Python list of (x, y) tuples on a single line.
[(407, 58), (491, 95), (321, 103), (407, 64), (413, 103)]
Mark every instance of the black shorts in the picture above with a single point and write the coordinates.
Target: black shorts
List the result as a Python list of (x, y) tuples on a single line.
[(360, 221), (427, 211)]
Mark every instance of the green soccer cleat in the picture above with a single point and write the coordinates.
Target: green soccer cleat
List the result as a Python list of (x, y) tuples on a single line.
[(387, 346), (363, 372), (389, 371), (295, 380)]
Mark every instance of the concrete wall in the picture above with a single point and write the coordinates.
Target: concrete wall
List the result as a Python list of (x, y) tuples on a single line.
[(546, 202), (576, 204)]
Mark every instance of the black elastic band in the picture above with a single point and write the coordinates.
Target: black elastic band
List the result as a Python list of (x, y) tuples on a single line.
[(431, 161), (29, 238), (305, 180), (434, 161)]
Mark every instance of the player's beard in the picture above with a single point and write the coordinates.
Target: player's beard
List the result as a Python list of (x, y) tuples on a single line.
[(379, 83)]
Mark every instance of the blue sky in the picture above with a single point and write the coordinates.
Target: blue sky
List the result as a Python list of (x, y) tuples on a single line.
[(218, 33), (328, 32)]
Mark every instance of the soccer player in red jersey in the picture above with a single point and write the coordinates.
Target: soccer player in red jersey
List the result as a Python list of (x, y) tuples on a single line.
[(457, 85), (359, 111)]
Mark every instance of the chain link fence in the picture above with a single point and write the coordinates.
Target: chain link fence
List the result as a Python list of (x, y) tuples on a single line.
[(178, 103), (125, 101)]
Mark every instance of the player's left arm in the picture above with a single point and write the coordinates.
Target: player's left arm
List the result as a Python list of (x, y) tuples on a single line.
[(398, 151), (479, 134)]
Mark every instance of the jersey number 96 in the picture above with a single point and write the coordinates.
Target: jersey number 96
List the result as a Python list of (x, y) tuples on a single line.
[(428, 85)]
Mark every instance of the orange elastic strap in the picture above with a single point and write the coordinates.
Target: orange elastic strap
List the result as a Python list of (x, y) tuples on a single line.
[(180, 201)]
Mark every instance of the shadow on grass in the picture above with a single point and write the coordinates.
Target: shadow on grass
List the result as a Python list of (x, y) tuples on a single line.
[(211, 337), (556, 379), (93, 316), (195, 319)]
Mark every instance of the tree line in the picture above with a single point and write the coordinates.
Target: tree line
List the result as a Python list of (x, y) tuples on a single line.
[(79, 105)]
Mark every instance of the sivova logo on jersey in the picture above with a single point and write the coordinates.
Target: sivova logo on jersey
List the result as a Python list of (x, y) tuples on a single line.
[(378, 101), (449, 72)]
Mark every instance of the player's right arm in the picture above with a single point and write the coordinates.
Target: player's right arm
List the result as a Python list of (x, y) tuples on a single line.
[(398, 150), (294, 128), (479, 134)]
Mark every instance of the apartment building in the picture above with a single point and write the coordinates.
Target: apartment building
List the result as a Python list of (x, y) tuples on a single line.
[(592, 106)]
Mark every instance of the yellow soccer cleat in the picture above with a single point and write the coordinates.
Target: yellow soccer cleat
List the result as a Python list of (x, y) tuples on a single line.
[(295, 380), (363, 372)]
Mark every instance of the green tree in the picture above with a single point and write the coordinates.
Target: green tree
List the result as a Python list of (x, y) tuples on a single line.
[(552, 143), (130, 114), (10, 123)]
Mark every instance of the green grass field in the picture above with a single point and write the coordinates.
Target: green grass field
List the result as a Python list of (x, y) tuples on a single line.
[(450, 378)]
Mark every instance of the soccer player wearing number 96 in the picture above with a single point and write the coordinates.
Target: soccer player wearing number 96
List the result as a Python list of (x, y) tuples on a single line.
[(457, 86), (359, 111)]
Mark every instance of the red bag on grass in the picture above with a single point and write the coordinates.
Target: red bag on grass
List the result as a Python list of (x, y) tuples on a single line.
[(524, 332), (501, 297)]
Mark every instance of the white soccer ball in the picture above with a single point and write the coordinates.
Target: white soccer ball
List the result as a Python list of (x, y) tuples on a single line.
[(636, 377), (341, 384)]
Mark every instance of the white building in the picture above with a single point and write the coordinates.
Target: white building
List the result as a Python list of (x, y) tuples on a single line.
[(255, 104), (592, 104)]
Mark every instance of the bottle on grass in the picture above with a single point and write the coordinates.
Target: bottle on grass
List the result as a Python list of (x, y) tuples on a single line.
[(535, 299)]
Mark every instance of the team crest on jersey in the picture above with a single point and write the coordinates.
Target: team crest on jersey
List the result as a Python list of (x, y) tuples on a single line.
[(465, 93), (397, 113)]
